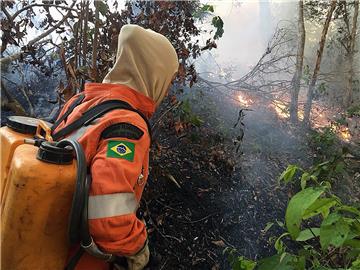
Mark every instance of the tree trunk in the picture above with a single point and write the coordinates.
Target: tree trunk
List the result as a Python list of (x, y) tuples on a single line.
[(94, 72), (299, 65), (85, 33), (348, 96), (9, 102), (307, 107)]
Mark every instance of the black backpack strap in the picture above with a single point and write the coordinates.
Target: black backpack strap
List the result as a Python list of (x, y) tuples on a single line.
[(66, 114), (96, 112), (124, 130), (75, 259)]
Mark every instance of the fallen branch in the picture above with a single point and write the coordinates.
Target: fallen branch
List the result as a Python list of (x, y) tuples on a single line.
[(196, 221)]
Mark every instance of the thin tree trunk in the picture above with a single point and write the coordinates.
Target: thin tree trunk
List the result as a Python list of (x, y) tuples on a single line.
[(307, 107), (78, 63), (85, 32), (299, 65), (348, 97), (94, 73)]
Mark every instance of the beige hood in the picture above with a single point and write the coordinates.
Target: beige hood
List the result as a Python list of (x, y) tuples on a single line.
[(145, 61)]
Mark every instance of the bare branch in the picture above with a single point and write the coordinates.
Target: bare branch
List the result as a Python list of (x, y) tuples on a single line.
[(39, 5), (34, 41)]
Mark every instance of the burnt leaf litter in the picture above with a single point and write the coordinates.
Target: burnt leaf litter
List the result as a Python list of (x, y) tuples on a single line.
[(210, 190)]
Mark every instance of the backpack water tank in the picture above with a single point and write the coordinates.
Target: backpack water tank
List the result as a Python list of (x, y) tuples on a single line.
[(11, 136), (34, 220)]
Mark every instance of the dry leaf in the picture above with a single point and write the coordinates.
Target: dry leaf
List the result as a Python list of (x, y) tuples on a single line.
[(219, 243)]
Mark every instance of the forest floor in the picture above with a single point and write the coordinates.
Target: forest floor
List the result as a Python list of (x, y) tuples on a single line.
[(203, 197)]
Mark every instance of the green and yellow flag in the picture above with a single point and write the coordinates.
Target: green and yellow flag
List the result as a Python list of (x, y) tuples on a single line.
[(121, 149)]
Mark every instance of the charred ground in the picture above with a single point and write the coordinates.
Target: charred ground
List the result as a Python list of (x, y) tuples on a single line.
[(203, 196)]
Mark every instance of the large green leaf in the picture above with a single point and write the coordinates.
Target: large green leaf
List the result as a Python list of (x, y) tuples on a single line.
[(308, 234), (320, 206), (298, 206), (283, 261), (334, 231)]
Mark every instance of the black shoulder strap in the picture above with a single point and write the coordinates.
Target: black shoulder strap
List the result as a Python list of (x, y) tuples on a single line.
[(66, 114), (96, 112)]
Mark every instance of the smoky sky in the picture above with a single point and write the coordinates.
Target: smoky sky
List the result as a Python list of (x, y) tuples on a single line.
[(248, 28)]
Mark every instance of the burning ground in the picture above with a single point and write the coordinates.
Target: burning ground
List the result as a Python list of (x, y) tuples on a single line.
[(207, 192)]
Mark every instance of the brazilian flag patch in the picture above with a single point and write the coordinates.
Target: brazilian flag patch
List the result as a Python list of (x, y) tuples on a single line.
[(121, 149)]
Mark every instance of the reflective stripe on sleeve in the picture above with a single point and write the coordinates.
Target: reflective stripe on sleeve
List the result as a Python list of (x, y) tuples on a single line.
[(110, 205)]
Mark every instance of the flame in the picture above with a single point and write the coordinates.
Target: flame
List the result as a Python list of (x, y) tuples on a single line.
[(280, 109), (244, 100), (345, 134)]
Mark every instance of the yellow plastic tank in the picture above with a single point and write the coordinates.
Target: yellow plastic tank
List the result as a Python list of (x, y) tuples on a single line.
[(11, 136), (34, 220)]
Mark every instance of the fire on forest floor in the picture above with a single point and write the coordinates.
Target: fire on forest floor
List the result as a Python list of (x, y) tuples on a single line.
[(322, 116)]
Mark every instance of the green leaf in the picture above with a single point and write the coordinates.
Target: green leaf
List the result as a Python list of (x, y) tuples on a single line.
[(320, 206), (354, 243), (103, 7), (340, 167), (349, 209), (333, 231), (218, 23), (284, 261), (304, 178), (297, 207), (308, 234), (206, 7), (356, 264), (243, 264), (280, 223), (279, 245), (289, 173), (238, 262), (267, 227)]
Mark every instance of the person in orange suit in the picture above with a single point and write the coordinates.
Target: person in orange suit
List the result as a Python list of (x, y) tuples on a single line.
[(117, 144)]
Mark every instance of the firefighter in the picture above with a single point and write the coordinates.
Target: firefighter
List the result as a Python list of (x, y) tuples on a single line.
[(116, 144)]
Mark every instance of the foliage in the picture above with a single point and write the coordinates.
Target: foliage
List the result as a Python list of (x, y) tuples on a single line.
[(325, 138), (325, 142), (239, 262), (88, 33), (315, 10), (185, 117), (329, 156), (325, 232), (353, 111)]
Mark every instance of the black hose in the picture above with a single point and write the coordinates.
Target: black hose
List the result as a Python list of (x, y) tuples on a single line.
[(78, 221), (85, 232), (80, 193)]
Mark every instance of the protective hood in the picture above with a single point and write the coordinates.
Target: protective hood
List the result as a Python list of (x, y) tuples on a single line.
[(145, 61)]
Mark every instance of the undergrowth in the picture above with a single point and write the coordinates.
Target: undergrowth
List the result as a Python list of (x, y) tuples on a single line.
[(320, 232)]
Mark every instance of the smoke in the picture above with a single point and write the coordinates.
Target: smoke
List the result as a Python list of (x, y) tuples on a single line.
[(248, 27)]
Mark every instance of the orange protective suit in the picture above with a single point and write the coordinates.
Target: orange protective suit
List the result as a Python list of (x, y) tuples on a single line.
[(145, 65), (124, 234)]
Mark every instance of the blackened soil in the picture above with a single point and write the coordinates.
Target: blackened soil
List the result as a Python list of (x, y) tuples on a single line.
[(203, 197)]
